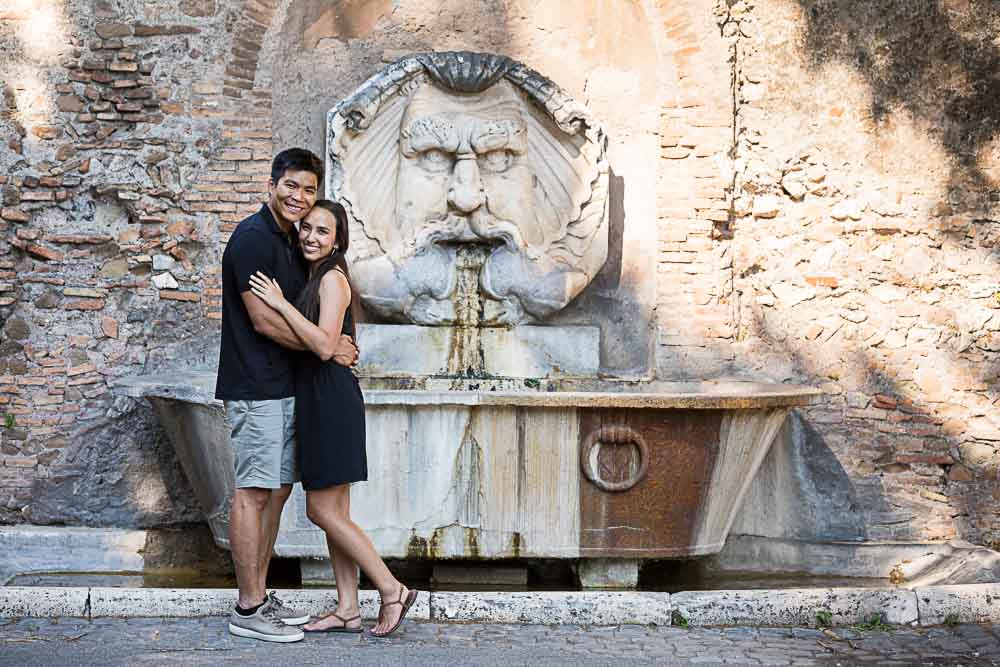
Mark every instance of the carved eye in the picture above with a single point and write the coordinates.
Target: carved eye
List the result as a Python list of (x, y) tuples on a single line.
[(436, 160), (496, 162)]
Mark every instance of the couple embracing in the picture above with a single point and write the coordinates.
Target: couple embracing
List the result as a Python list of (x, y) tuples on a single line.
[(293, 402)]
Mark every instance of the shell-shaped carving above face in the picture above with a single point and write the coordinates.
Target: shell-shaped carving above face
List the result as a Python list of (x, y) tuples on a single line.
[(473, 185)]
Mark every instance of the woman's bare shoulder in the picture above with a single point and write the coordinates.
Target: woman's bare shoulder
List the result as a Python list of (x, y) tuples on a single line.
[(334, 280)]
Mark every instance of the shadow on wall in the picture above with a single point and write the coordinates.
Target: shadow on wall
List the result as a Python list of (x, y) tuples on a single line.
[(896, 435), (802, 491), (124, 474), (940, 65)]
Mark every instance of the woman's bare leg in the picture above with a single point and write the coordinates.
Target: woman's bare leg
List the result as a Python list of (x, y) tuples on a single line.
[(345, 571), (351, 542)]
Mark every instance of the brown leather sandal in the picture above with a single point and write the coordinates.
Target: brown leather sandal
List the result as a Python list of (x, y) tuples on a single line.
[(338, 628), (411, 597)]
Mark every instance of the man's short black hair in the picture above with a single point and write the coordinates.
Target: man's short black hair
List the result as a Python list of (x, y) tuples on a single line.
[(296, 159)]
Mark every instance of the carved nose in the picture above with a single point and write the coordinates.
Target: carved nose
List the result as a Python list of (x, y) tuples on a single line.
[(466, 190)]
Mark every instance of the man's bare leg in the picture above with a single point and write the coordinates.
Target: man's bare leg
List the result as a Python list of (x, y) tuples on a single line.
[(245, 538), (270, 520)]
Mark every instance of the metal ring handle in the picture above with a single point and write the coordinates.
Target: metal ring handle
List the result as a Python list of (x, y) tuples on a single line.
[(613, 435)]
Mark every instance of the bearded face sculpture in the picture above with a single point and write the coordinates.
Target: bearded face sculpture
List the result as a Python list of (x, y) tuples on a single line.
[(457, 162)]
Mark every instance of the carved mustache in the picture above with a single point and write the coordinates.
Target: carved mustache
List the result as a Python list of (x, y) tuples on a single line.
[(478, 225)]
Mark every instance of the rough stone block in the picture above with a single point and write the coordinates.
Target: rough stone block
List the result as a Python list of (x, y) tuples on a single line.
[(456, 575), (403, 349), (317, 571), (27, 549), (553, 607), (528, 351), (30, 601), (525, 351), (162, 602), (166, 602), (608, 572), (795, 606), (969, 603)]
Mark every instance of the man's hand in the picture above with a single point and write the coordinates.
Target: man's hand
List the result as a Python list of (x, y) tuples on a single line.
[(346, 353)]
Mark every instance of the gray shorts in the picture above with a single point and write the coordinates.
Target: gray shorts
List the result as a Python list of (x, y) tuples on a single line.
[(263, 435)]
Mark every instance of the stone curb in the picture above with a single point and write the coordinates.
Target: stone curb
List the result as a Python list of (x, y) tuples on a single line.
[(972, 603), (586, 608), (179, 602), (846, 606), (934, 605), (20, 601)]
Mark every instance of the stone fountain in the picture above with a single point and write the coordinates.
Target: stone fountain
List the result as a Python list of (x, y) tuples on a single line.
[(477, 192)]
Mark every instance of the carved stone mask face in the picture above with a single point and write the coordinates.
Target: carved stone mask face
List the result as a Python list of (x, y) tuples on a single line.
[(464, 174), (476, 190)]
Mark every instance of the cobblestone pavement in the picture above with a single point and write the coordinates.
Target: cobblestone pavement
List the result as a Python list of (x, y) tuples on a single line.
[(197, 641)]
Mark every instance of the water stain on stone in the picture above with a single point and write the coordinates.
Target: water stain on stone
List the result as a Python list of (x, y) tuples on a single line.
[(417, 547), (516, 544), (472, 542), (467, 481), (434, 548)]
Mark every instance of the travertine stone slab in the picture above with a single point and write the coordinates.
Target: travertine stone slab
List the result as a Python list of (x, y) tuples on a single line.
[(795, 606), (975, 603), (744, 439), (970, 603), (199, 387), (553, 607), (21, 601), (541, 352), (317, 572), (165, 602), (27, 549), (458, 466), (401, 350), (608, 573), (457, 575)]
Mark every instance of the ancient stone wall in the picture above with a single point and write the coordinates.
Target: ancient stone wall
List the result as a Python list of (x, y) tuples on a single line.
[(859, 240), (799, 190), (135, 139)]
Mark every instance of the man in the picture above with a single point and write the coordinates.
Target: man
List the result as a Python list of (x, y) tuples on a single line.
[(256, 381)]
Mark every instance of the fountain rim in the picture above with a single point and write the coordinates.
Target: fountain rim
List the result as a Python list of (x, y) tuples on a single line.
[(193, 387)]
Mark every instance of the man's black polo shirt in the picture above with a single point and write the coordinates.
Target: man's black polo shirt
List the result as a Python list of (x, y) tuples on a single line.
[(252, 367)]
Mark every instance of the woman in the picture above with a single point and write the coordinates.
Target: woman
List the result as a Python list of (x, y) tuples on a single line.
[(330, 421)]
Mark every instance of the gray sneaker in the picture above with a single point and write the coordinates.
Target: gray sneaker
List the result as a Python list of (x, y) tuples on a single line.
[(285, 613), (264, 624)]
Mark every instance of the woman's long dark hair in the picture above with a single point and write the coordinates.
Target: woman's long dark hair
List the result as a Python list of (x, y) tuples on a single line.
[(308, 301)]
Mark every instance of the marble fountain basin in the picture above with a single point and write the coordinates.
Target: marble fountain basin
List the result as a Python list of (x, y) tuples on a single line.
[(571, 469)]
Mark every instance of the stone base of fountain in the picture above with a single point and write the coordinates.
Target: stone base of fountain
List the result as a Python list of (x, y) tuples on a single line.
[(631, 472)]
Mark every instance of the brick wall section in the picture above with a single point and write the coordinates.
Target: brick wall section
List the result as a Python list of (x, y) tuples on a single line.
[(236, 180), (115, 208), (694, 301)]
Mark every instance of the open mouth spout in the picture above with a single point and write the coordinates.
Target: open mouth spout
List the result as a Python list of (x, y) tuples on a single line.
[(456, 230)]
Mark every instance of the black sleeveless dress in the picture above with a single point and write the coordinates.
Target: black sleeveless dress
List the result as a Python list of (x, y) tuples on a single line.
[(329, 422)]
